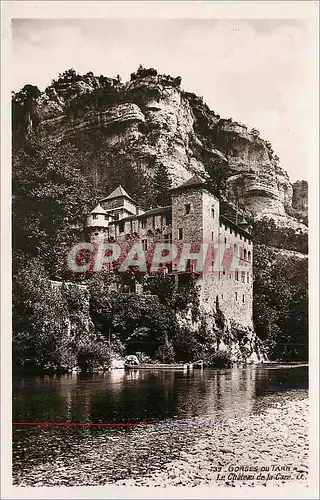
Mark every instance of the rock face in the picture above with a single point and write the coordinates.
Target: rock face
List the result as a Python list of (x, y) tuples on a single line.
[(300, 200), (150, 121), (259, 182)]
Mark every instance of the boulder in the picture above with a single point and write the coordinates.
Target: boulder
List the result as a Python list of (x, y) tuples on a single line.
[(132, 360), (117, 363)]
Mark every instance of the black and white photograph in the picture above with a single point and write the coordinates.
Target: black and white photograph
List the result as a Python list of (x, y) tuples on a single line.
[(160, 183)]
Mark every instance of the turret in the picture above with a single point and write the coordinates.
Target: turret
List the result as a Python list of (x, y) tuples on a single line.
[(98, 217), (97, 224)]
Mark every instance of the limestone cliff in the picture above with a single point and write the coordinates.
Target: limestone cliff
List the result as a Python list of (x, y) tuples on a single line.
[(150, 121)]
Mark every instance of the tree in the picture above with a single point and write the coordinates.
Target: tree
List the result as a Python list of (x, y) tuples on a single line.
[(218, 172), (22, 103), (139, 322), (39, 318), (68, 76), (161, 186), (51, 198), (281, 303)]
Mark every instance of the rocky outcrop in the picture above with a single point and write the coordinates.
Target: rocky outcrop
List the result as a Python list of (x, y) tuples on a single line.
[(129, 115), (300, 196), (258, 182), (150, 121), (299, 207), (232, 341)]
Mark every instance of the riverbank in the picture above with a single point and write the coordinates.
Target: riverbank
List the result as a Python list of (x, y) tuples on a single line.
[(270, 449)]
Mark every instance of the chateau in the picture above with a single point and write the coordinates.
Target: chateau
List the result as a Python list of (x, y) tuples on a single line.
[(199, 219)]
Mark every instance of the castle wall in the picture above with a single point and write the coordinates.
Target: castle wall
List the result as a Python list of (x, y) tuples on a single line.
[(231, 288), (147, 228), (187, 227), (196, 220)]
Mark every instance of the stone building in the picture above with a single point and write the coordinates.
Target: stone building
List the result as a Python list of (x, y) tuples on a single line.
[(214, 246)]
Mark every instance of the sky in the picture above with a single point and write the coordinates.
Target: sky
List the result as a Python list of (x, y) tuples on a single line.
[(253, 71)]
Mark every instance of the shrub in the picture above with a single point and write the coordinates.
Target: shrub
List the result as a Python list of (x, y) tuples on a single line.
[(220, 359), (93, 353), (165, 352)]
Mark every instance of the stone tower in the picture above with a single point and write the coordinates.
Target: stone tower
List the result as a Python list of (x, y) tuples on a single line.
[(195, 219), (96, 229), (225, 282), (120, 204)]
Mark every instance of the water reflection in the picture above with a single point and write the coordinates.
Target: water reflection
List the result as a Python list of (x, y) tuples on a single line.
[(150, 395)]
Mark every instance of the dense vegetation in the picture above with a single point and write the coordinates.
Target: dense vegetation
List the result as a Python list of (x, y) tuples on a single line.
[(281, 302), (265, 230)]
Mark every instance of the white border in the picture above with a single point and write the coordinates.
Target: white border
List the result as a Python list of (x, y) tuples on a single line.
[(156, 9)]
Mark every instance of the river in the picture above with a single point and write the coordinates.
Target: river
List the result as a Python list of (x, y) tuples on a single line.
[(173, 403)]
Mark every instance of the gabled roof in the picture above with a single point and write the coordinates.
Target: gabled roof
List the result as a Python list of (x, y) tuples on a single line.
[(118, 193), (98, 210), (155, 211), (192, 182)]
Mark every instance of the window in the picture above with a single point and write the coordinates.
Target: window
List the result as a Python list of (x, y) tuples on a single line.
[(153, 222), (236, 295), (144, 245), (121, 227), (212, 235), (190, 267), (187, 208), (212, 211), (245, 254), (225, 240), (243, 277), (224, 272), (249, 256), (236, 274), (180, 234), (236, 250), (106, 217), (143, 223), (94, 216), (243, 298), (168, 238), (168, 219), (248, 277)]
